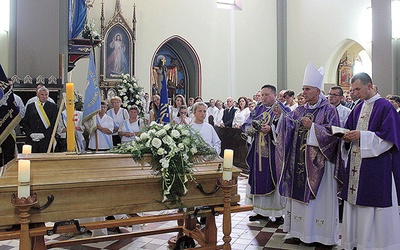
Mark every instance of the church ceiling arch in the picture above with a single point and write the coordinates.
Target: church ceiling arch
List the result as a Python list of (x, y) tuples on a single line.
[(348, 58)]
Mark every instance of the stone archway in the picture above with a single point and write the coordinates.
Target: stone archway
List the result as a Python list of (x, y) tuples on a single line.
[(187, 61), (331, 67)]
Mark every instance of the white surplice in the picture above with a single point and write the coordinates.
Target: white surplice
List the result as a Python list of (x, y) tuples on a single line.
[(371, 227), (272, 205)]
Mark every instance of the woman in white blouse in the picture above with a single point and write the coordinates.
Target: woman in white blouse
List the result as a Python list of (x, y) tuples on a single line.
[(179, 100), (219, 114), (132, 126), (242, 113), (118, 114)]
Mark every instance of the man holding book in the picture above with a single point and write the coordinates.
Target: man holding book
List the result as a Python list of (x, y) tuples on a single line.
[(371, 218)]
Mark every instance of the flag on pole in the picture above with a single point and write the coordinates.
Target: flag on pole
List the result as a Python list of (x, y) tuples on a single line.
[(9, 111), (163, 112), (91, 103)]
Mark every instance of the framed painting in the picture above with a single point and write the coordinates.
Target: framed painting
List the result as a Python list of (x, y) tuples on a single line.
[(345, 75), (117, 53), (118, 50)]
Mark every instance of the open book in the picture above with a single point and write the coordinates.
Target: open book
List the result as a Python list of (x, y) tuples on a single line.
[(338, 131)]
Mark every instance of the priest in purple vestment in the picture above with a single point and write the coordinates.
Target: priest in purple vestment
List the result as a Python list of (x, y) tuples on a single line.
[(261, 160), (371, 218), (307, 161)]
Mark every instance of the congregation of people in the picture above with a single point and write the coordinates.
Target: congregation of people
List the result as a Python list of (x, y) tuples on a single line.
[(301, 175)]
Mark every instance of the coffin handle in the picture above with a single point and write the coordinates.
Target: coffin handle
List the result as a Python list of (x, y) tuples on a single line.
[(200, 187), (50, 200)]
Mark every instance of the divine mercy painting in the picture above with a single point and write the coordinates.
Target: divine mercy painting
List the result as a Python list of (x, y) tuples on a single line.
[(117, 52)]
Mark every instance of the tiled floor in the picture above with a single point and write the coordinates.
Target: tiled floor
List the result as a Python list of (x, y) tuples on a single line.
[(260, 235)]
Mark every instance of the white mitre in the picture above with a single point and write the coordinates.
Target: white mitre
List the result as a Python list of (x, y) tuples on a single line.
[(313, 77)]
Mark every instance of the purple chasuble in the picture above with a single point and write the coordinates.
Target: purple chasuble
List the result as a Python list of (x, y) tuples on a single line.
[(375, 182), (300, 166), (261, 154)]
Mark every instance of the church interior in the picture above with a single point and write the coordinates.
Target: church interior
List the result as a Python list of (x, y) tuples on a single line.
[(214, 49)]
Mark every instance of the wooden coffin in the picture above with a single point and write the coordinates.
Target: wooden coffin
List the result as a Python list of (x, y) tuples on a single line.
[(99, 185)]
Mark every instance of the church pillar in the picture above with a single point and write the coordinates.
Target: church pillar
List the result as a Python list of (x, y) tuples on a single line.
[(40, 32), (12, 40), (382, 59), (396, 66), (281, 9), (63, 41)]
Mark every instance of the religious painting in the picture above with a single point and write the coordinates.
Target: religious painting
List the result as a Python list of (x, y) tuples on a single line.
[(117, 53), (345, 75), (175, 73)]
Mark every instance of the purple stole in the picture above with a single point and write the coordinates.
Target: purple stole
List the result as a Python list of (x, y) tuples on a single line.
[(375, 183), (300, 167), (261, 154)]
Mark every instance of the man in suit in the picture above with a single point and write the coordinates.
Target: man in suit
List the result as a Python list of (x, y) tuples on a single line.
[(229, 114), (354, 100), (39, 121)]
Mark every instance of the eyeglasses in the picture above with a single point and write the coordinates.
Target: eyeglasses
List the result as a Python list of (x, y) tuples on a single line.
[(333, 94)]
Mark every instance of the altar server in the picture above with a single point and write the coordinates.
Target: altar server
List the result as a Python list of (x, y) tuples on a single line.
[(205, 129)]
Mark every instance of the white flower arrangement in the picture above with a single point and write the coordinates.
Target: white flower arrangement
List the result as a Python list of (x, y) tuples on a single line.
[(89, 31), (172, 148), (131, 93)]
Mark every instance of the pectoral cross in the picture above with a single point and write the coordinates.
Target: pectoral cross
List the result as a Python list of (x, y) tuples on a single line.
[(352, 189)]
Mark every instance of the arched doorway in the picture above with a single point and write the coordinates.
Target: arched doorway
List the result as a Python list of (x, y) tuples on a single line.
[(347, 59), (183, 64)]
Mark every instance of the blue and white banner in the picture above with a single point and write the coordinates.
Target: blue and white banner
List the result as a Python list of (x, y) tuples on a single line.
[(91, 103), (163, 113)]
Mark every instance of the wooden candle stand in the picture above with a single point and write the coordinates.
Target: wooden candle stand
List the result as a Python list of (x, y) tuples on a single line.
[(24, 205), (207, 237), (227, 186)]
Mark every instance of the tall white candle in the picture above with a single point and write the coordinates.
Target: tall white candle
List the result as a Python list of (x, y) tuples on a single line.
[(24, 177), (228, 162), (24, 170), (24, 191), (27, 149)]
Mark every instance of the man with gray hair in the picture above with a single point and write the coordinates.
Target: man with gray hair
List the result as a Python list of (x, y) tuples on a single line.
[(306, 161), (229, 114), (39, 121), (35, 98)]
